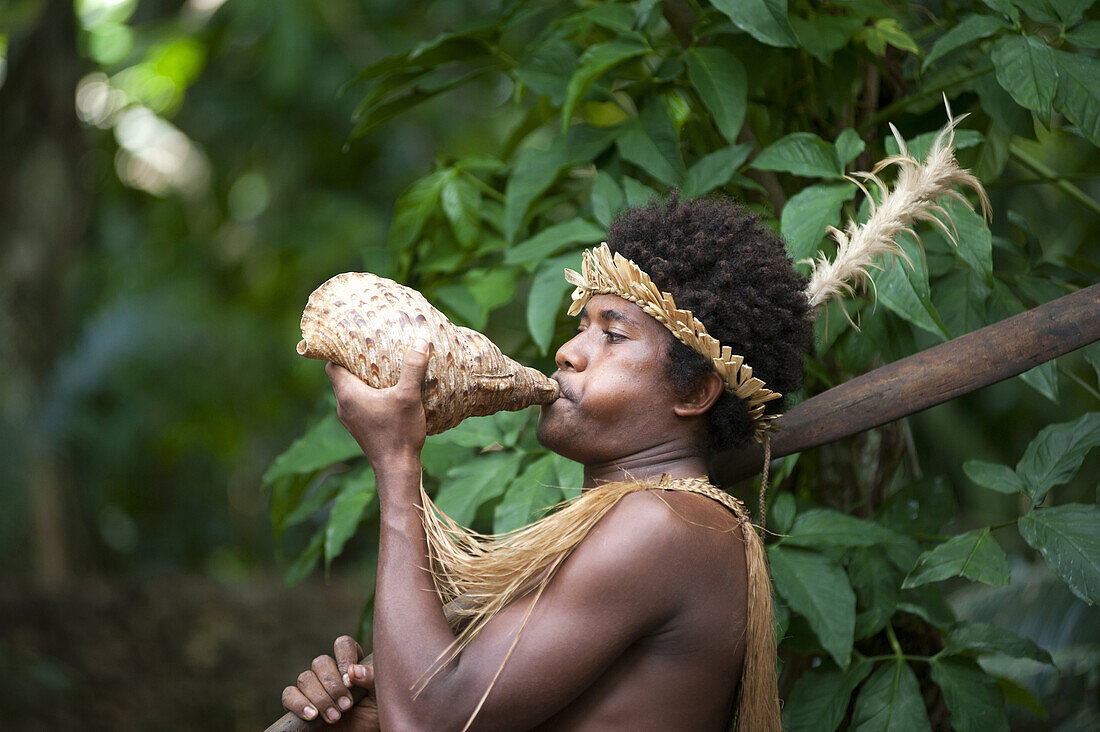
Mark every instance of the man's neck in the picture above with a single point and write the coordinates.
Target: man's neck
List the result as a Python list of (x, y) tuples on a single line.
[(677, 459)]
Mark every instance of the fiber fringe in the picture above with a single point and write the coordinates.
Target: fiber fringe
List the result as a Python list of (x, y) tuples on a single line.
[(491, 571)]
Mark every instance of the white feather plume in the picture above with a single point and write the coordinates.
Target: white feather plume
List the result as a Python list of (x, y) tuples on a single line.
[(916, 191)]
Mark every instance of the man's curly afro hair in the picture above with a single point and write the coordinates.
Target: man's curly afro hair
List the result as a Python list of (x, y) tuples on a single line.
[(734, 275)]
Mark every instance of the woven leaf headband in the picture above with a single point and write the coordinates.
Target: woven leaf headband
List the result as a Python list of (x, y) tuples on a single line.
[(913, 199)]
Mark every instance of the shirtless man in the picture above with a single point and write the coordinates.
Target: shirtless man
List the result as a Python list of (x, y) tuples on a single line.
[(644, 625)]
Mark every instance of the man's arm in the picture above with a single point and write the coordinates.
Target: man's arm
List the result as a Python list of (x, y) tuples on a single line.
[(622, 582)]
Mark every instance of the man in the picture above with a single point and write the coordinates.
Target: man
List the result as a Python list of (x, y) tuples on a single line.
[(643, 624)]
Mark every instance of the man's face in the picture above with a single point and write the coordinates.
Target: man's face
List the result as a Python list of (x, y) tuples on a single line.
[(616, 399)]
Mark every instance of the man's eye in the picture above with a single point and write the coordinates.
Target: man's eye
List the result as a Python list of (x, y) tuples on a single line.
[(613, 337)]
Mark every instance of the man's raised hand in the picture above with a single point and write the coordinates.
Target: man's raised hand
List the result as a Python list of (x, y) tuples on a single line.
[(387, 423), (323, 689)]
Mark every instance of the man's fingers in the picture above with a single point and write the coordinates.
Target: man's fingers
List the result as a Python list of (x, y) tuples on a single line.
[(362, 674), (330, 676), (295, 701), (414, 364), (347, 652), (337, 373), (319, 699)]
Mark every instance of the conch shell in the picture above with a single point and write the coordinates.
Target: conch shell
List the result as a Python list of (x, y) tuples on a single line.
[(365, 323)]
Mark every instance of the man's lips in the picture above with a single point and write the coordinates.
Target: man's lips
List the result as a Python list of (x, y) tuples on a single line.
[(566, 392)]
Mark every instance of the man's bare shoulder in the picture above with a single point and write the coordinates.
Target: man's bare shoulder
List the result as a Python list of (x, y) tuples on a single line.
[(661, 539)]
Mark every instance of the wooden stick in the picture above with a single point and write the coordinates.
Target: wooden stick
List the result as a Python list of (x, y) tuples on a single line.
[(925, 379), (899, 389)]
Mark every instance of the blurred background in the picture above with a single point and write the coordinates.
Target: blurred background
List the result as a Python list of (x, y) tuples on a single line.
[(176, 178)]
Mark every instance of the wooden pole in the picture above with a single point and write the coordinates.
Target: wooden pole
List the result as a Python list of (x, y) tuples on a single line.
[(925, 379), (904, 387)]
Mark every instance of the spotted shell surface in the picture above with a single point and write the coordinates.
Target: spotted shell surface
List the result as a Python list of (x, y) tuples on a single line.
[(366, 323)]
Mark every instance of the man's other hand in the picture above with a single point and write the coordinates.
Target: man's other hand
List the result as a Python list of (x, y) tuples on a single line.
[(323, 690)]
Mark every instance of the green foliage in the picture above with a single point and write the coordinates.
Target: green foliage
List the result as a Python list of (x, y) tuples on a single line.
[(613, 104)]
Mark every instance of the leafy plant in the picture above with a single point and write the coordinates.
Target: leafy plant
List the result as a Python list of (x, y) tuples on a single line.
[(615, 103)]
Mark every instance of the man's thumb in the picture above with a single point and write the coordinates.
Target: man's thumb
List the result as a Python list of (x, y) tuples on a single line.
[(415, 363)]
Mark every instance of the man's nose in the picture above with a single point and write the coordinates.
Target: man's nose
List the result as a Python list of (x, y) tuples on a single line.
[(570, 356)]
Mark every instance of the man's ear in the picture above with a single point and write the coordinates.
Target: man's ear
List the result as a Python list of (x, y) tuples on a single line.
[(702, 396)]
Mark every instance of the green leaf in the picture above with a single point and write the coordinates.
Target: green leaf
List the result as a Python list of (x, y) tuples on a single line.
[(809, 213), (312, 503), (413, 208), (1026, 69), (468, 486), (969, 29), (982, 638), (637, 193), (961, 297), (994, 476), (378, 115), (927, 602), (553, 239), (1067, 12), (781, 514), (463, 306), (325, 443), (822, 527), (528, 497), (876, 583), (801, 153), (549, 69), (887, 31), (974, 242), (819, 699), (890, 701), (722, 84), (1043, 379), (547, 297), (1056, 453), (1004, 7), (652, 143), (714, 170), (975, 555), (1002, 108), (1040, 10), (1068, 537), (764, 20), (1086, 35), (357, 494), (607, 198), (993, 155), (306, 561), (823, 35), (848, 146), (461, 201), (906, 292), (592, 64), (491, 288), (1078, 93), (570, 474), (533, 171), (818, 588), (1022, 697), (1092, 355), (972, 695), (923, 506)]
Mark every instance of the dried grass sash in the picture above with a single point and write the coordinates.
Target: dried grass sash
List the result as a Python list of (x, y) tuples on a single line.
[(490, 571)]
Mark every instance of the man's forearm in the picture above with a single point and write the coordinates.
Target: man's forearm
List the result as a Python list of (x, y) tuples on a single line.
[(410, 628)]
